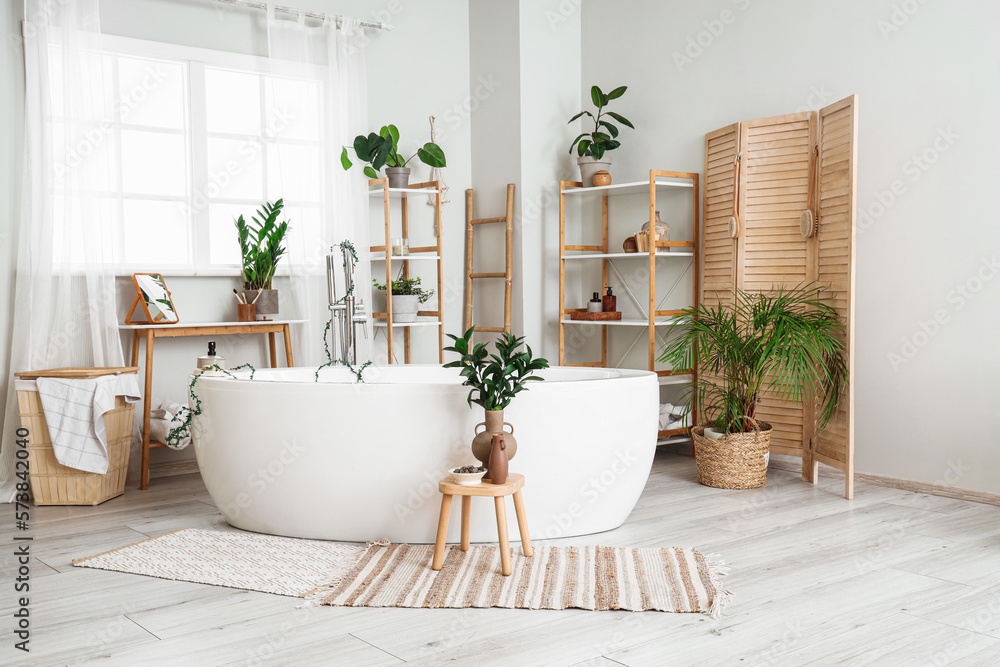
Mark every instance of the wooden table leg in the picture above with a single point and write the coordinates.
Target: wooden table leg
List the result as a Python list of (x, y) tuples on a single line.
[(274, 350), (466, 521), (505, 566), (522, 524), (442, 532), (135, 347), (288, 346), (146, 407)]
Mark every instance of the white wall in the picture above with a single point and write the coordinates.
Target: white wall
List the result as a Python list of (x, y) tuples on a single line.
[(934, 77)]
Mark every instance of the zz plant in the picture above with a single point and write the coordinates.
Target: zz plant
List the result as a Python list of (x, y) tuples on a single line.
[(495, 379), (261, 245), (604, 136), (382, 149), (787, 342)]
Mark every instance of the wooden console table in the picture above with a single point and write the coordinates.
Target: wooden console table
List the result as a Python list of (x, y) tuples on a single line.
[(153, 331)]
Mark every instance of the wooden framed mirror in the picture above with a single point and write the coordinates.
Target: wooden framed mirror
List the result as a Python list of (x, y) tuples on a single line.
[(152, 294)]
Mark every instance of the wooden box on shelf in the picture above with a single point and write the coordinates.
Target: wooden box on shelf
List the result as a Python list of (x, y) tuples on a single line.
[(595, 317)]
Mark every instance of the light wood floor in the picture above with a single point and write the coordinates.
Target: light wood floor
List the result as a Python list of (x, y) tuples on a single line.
[(891, 578)]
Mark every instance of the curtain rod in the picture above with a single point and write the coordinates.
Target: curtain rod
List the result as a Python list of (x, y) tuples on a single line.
[(292, 10)]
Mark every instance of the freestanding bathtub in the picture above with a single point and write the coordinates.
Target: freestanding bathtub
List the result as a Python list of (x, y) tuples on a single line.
[(336, 460)]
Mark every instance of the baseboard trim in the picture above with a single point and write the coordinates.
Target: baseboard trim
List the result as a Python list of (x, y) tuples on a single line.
[(173, 468), (943, 490)]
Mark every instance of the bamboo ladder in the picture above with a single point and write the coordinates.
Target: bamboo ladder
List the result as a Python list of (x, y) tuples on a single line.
[(471, 275)]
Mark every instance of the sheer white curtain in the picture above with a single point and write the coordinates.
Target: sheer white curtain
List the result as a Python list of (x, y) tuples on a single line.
[(334, 57), (64, 307)]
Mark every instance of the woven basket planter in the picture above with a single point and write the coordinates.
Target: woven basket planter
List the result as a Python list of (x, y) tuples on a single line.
[(737, 461)]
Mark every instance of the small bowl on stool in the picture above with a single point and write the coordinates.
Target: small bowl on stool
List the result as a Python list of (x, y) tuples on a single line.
[(467, 478)]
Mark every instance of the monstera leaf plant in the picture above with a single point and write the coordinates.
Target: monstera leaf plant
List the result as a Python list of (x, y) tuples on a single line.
[(382, 150)]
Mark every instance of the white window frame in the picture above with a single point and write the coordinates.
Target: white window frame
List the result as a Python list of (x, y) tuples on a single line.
[(196, 60)]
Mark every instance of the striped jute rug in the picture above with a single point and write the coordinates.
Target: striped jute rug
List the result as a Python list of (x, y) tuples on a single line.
[(399, 575), (597, 578)]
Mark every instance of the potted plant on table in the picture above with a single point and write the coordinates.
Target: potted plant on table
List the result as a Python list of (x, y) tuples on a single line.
[(787, 342), (381, 150), (593, 147), (260, 249), (407, 295), (495, 379)]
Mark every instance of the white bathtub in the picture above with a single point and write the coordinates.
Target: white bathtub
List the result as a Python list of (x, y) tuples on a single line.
[(335, 460)]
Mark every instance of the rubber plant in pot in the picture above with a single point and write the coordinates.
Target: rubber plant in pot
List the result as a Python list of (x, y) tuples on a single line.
[(495, 379), (593, 147), (382, 150), (407, 295), (788, 343), (260, 248)]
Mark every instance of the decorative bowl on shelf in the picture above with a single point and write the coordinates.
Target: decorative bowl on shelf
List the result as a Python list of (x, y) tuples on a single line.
[(467, 477), (602, 178)]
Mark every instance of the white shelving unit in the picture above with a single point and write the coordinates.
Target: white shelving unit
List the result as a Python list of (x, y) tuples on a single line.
[(660, 182), (425, 318)]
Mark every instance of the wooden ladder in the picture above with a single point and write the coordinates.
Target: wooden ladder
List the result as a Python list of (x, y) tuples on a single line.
[(471, 275)]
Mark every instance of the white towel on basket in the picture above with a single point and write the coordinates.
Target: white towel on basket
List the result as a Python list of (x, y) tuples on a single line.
[(74, 412)]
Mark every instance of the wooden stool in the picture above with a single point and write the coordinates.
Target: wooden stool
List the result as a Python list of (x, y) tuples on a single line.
[(498, 492)]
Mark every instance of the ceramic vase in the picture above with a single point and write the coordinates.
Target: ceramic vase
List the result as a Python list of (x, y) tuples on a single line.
[(267, 303), (482, 444), (497, 468)]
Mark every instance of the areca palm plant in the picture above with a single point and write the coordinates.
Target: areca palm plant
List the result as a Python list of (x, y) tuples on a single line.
[(786, 342)]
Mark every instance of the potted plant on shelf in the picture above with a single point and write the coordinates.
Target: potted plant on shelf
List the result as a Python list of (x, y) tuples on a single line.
[(495, 379), (593, 147), (381, 150), (260, 248), (788, 342), (407, 295)]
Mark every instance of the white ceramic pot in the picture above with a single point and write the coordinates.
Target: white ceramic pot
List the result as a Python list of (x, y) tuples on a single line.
[(590, 165), (466, 478), (405, 307)]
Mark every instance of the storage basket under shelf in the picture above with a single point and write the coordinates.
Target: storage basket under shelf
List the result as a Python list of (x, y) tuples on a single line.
[(53, 483)]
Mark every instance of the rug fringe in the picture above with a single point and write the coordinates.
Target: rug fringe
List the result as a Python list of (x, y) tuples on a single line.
[(716, 571)]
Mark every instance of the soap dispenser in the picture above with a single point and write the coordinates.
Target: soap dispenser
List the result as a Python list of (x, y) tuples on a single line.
[(610, 302), (595, 305), (212, 359)]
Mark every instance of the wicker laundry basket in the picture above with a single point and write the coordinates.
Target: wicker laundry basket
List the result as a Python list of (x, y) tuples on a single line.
[(738, 461), (53, 483)]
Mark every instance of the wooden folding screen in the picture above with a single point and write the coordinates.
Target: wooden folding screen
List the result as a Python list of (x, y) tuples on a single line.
[(768, 164)]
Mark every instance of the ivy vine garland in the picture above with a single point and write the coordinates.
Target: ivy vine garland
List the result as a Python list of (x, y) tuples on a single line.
[(179, 433)]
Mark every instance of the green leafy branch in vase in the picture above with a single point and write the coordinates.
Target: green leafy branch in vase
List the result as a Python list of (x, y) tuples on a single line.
[(495, 379)]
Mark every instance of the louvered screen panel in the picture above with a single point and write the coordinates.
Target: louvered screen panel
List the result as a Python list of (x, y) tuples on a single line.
[(776, 153), (718, 267), (838, 131), (773, 254)]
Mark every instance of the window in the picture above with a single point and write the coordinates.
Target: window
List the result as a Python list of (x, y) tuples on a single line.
[(196, 138)]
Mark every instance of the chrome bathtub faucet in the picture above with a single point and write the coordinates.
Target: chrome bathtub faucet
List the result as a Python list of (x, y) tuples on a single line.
[(346, 313)]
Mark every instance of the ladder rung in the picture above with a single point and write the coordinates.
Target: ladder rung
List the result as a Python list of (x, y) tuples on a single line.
[(489, 329), (486, 221), (488, 275)]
